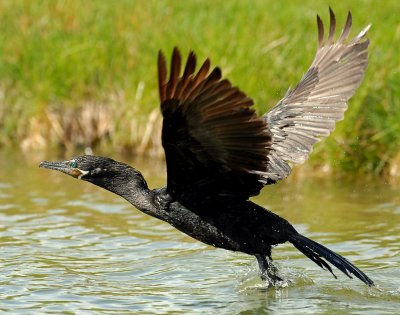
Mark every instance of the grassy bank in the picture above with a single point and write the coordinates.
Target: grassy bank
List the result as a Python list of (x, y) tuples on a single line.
[(82, 73)]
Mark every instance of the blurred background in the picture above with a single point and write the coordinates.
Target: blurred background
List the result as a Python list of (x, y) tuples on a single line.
[(78, 75)]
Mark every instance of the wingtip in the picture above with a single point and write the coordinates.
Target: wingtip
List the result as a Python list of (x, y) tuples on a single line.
[(162, 75), (177, 57), (331, 14), (175, 51), (362, 34), (320, 26), (332, 26), (192, 54), (347, 27), (365, 31), (161, 55), (349, 15)]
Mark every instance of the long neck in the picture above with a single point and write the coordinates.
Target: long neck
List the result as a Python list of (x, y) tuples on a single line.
[(151, 202), (137, 192), (139, 196), (130, 184)]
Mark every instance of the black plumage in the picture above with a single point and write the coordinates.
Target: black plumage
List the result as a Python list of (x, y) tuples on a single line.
[(219, 152)]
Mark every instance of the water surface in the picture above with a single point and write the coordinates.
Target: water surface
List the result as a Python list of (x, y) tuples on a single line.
[(68, 247)]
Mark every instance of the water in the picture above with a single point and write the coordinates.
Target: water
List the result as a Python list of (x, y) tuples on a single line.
[(67, 247)]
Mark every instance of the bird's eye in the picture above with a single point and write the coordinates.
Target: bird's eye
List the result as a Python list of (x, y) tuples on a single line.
[(74, 164)]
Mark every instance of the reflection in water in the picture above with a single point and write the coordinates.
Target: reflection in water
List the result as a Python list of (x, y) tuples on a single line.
[(67, 245)]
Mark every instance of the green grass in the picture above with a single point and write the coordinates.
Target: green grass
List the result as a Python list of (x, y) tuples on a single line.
[(58, 56)]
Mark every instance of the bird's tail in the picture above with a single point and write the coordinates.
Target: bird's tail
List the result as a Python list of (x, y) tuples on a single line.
[(316, 252)]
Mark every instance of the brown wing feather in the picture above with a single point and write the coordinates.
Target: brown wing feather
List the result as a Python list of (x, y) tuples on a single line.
[(313, 107), (210, 132), (162, 76)]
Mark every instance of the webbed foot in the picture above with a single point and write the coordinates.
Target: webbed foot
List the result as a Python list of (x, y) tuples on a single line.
[(268, 271)]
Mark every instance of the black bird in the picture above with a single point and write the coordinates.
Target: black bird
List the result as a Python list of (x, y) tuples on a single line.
[(219, 152)]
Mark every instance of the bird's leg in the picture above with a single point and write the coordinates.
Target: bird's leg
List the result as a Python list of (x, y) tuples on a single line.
[(267, 269)]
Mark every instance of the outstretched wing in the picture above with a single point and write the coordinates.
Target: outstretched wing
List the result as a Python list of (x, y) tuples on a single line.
[(213, 140), (312, 108)]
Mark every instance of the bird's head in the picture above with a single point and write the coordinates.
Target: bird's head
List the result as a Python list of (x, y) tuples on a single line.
[(104, 172)]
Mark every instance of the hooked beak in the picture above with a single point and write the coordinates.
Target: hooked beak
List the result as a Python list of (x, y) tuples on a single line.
[(62, 167)]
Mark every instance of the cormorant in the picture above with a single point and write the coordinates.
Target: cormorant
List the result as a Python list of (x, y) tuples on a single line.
[(219, 152)]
